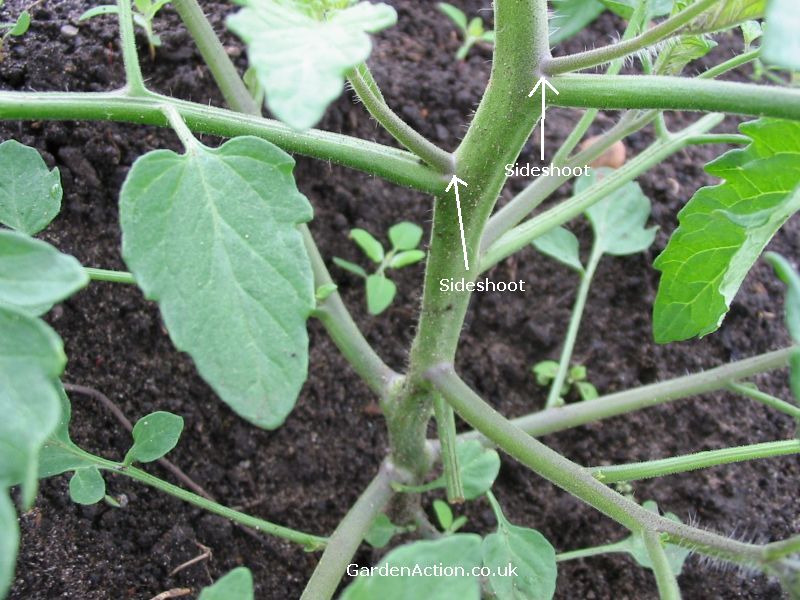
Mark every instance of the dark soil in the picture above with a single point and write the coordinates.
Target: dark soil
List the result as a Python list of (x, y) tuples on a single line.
[(307, 473)]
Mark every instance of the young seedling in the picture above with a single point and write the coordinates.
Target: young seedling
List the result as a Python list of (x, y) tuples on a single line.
[(144, 14), (473, 31), (444, 516), (404, 238), (14, 29), (547, 370)]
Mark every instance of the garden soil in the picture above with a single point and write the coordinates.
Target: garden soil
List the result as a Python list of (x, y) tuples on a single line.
[(307, 473)]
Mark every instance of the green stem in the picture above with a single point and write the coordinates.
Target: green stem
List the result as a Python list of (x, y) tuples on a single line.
[(520, 236), (675, 93), (184, 134), (554, 396), (219, 63), (599, 56), (108, 275), (364, 86), (692, 462), (777, 550), (730, 64), (573, 415), (718, 138), (393, 165), (446, 427), (665, 578), (134, 82), (592, 551), (575, 479), (766, 399), (344, 542)]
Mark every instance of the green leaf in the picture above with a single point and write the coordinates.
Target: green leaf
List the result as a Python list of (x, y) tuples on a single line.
[(380, 293), (9, 541), (724, 228), (751, 31), (635, 545), (528, 551), (405, 235), (577, 373), (459, 551), (106, 9), (562, 245), (324, 291), (781, 45), (153, 436), (34, 275), (618, 219), (212, 236), (22, 25), (444, 514), (625, 8), (456, 15), (723, 15), (237, 584), (30, 194), (406, 258), (475, 27), (60, 454), (349, 266), (679, 52), (87, 486), (301, 62), (586, 390), (381, 531), (545, 371), (479, 467), (368, 244), (569, 17)]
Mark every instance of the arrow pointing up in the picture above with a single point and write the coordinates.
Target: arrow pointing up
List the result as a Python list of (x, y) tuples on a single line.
[(454, 181), (544, 84)]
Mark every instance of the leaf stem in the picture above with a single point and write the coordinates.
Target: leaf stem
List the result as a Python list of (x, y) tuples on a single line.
[(665, 578), (730, 64), (108, 275), (692, 462), (178, 125), (348, 535), (446, 427), (134, 82), (599, 56), (592, 551), (554, 396), (365, 88), (718, 138), (776, 403)]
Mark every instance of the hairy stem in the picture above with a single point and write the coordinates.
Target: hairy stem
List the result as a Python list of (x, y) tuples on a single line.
[(665, 578), (364, 86), (347, 537), (134, 82)]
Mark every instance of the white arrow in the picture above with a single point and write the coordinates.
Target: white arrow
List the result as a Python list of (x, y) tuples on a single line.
[(544, 87), (454, 181)]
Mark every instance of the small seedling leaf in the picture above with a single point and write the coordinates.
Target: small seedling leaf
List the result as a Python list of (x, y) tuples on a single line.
[(586, 390), (577, 373), (475, 27), (87, 486), (635, 545), (722, 15), (30, 194), (212, 236), (618, 219), (545, 371), (444, 514), (301, 61), (154, 436), (569, 17), (625, 8), (406, 258), (22, 25), (324, 291), (752, 30), (479, 467), (237, 584), (562, 245), (781, 45), (405, 235), (368, 244), (724, 228), (525, 549), (381, 531), (349, 266), (456, 15), (380, 293), (34, 275), (679, 52), (450, 554)]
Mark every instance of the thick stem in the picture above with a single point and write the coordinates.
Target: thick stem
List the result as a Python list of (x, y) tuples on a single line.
[(554, 396), (364, 87), (344, 542), (675, 93), (446, 428), (693, 462), (219, 63), (599, 56), (665, 578), (134, 82), (393, 165)]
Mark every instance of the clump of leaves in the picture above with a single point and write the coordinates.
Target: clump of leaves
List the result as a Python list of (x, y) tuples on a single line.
[(577, 378), (14, 28), (143, 15), (405, 238), (473, 31)]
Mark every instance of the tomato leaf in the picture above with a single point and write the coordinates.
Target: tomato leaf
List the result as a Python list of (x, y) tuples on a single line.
[(153, 436), (479, 467), (569, 17), (34, 275), (406, 258), (59, 453), (781, 45), (456, 15), (301, 59), (724, 228), (368, 244), (30, 194), (236, 584), (679, 52), (722, 15), (405, 235), (380, 293), (635, 545), (212, 236), (462, 550), (349, 266), (560, 244), (87, 486)]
